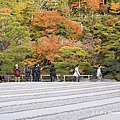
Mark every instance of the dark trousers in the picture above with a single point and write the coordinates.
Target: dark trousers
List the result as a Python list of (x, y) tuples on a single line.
[(27, 78), (76, 79), (35, 79), (38, 78), (52, 78)]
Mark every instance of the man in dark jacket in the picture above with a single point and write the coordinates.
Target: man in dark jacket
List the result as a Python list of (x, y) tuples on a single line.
[(27, 72), (35, 73), (52, 73)]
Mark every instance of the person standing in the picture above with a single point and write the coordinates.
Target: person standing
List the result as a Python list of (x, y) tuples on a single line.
[(52, 73), (27, 72), (99, 73), (38, 70), (35, 73), (17, 73), (76, 73)]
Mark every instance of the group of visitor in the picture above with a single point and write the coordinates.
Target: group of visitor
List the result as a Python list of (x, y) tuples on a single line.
[(35, 72)]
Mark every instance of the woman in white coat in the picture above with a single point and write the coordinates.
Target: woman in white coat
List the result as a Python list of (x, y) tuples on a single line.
[(76, 74), (99, 73)]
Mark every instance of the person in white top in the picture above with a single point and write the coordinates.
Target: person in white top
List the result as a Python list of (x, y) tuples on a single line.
[(76, 74), (99, 73)]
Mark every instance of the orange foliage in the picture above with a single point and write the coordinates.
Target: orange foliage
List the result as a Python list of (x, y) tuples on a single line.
[(94, 4), (75, 4), (104, 7), (48, 21), (47, 48), (111, 22), (48, 31), (5, 10)]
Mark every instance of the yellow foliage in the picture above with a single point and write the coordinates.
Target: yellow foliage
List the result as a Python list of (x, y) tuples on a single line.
[(115, 8), (30, 61), (18, 10), (19, 7)]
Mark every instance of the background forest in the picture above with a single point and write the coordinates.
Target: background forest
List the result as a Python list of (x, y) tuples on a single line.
[(63, 32)]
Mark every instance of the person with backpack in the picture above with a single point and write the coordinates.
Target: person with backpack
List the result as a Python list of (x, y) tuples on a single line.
[(95, 73), (27, 72), (17, 73), (76, 74)]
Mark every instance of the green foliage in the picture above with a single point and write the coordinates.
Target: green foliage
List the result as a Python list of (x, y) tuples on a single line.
[(69, 52), (100, 36), (117, 26), (6, 3), (69, 57), (67, 66), (112, 69), (14, 41), (63, 31), (57, 58), (97, 29), (12, 32), (64, 67)]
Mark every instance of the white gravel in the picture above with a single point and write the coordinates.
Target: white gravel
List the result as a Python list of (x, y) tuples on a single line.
[(60, 101)]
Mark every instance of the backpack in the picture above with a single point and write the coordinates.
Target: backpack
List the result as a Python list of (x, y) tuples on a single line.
[(73, 70), (95, 73)]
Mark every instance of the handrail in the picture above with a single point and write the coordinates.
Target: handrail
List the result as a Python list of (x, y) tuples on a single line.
[(89, 76), (8, 77), (41, 76)]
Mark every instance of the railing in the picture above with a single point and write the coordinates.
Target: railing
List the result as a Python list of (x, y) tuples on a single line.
[(41, 76), (9, 78), (89, 76)]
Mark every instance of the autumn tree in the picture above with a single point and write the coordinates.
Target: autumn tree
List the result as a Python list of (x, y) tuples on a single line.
[(22, 10), (44, 51), (49, 28), (50, 22)]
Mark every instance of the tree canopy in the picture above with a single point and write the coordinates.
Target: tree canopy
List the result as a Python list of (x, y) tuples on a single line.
[(65, 32)]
